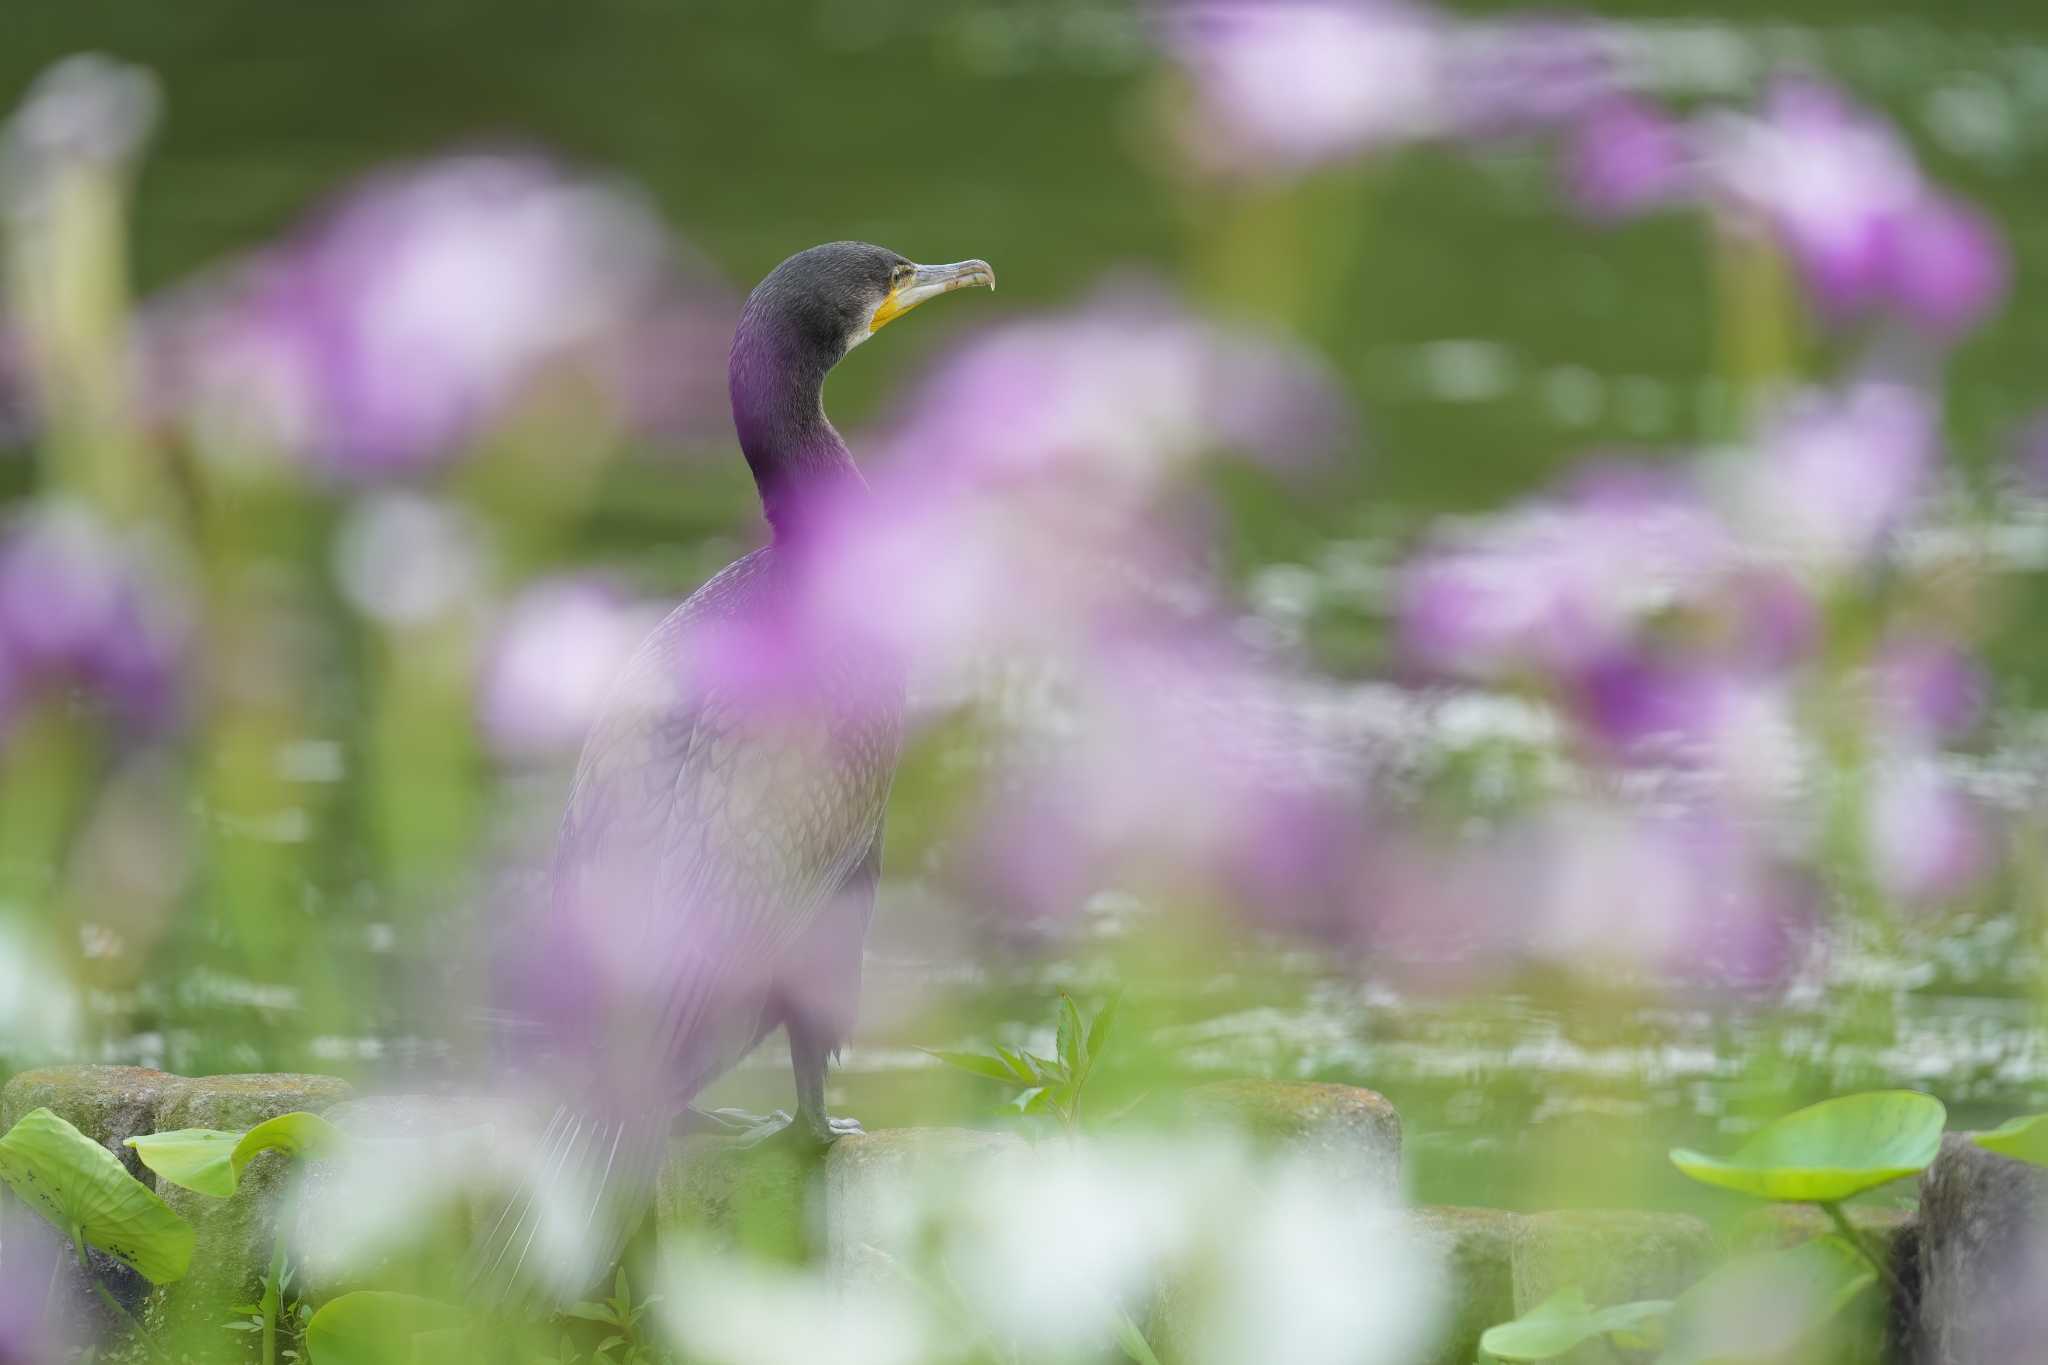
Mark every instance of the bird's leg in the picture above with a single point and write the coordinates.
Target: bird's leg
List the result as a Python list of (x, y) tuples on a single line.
[(817, 999)]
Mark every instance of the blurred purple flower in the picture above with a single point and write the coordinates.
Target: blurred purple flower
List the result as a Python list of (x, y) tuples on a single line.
[(1841, 190), (411, 316), (1928, 688), (1180, 766), (1124, 392), (1528, 73), (551, 663), (1018, 495), (1836, 474), (31, 1330), (80, 607), (1283, 85), (1772, 619), (1949, 267), (1559, 585), (1626, 156), (1686, 893), (1927, 840), (1672, 894)]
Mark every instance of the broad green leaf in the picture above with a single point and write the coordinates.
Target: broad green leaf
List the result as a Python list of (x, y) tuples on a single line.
[(2022, 1139), (1762, 1307), (84, 1190), (1098, 1029), (1020, 1065), (1829, 1151), (199, 1159), (1563, 1321), (372, 1327), (211, 1161), (995, 1068), (1071, 1037)]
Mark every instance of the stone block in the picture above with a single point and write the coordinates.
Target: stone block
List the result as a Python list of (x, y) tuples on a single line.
[(1614, 1255), (1476, 1248), (1354, 1131)]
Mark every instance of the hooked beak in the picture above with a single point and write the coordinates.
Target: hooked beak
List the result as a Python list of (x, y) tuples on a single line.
[(928, 282)]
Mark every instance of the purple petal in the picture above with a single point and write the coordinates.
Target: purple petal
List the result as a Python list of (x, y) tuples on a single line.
[(1284, 85), (415, 313), (1626, 156), (1928, 842), (1949, 266), (1929, 688)]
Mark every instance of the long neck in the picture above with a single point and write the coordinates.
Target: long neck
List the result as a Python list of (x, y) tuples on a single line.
[(778, 407)]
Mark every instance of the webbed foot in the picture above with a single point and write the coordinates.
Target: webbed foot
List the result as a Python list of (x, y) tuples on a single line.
[(805, 1131)]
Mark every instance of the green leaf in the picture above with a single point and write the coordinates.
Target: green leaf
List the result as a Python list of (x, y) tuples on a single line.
[(2022, 1139), (372, 1327), (1829, 1151), (995, 1068), (211, 1161), (1132, 1341), (1762, 1307), (1563, 1321), (84, 1190), (1071, 1037), (1098, 1029), (592, 1312)]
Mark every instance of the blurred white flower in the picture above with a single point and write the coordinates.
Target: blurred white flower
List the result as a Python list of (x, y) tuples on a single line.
[(727, 1311), (1255, 1257), (404, 559)]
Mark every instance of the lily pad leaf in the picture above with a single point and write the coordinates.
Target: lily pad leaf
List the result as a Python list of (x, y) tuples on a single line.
[(373, 1327), (1764, 1306), (1829, 1151), (1565, 1320), (211, 1161), (2022, 1139), (85, 1191)]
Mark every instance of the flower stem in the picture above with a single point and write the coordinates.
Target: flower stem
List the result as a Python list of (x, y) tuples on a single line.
[(1869, 1253), (273, 1295)]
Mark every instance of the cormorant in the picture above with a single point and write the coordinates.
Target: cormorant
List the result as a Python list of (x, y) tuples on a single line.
[(715, 873)]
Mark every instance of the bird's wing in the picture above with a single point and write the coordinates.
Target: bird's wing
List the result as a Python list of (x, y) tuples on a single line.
[(705, 832)]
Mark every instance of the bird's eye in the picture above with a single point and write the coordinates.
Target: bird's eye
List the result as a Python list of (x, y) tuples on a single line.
[(900, 276)]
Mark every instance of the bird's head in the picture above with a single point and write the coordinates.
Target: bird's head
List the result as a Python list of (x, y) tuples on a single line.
[(831, 298), (798, 323)]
